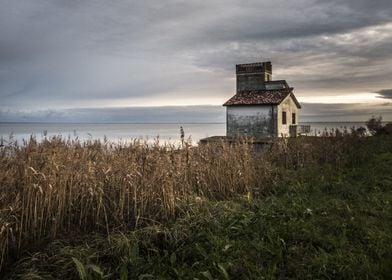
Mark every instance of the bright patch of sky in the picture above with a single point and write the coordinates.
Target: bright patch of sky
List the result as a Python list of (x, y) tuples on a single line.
[(345, 99)]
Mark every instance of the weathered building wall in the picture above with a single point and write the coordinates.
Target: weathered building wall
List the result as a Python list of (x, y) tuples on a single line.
[(250, 82), (256, 121), (288, 105)]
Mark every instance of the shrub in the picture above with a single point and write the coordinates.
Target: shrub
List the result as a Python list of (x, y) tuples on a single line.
[(374, 125)]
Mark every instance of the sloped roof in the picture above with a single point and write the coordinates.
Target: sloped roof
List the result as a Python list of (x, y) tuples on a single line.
[(261, 97)]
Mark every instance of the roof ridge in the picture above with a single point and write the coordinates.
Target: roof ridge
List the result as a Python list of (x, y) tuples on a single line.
[(266, 90), (259, 97)]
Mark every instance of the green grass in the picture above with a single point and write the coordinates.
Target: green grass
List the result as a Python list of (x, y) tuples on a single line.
[(320, 222)]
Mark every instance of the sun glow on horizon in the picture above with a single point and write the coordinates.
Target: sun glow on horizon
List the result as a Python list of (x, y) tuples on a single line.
[(361, 98), (364, 97)]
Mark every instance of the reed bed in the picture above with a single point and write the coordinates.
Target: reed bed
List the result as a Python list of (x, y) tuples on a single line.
[(62, 186)]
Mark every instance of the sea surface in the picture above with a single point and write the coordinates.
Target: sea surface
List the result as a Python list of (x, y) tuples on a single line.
[(122, 133)]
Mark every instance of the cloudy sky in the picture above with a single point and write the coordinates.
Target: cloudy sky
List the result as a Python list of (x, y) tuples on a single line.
[(86, 57)]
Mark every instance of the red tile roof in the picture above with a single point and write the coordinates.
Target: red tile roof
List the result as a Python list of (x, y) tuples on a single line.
[(260, 97)]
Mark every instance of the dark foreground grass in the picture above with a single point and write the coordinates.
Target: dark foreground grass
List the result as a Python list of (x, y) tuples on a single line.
[(320, 222)]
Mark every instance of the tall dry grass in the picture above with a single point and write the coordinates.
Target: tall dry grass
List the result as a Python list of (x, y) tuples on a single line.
[(61, 186)]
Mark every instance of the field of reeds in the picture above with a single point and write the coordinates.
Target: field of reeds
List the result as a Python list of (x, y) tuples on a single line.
[(63, 189)]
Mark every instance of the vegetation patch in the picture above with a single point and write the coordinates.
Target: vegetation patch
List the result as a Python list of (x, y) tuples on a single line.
[(308, 208)]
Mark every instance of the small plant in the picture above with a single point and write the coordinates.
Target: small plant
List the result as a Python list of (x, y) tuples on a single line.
[(88, 272)]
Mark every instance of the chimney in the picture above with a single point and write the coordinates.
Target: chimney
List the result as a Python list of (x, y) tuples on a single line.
[(252, 76), (267, 71)]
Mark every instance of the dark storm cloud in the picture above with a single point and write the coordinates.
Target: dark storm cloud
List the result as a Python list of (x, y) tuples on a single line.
[(385, 93), (59, 54)]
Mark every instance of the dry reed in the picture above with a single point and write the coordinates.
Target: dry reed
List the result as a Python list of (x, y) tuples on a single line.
[(61, 186)]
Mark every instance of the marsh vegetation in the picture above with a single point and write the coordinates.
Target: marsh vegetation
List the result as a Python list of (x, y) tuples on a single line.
[(303, 208)]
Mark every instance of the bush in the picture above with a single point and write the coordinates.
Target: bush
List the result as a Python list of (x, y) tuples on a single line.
[(385, 130), (374, 125)]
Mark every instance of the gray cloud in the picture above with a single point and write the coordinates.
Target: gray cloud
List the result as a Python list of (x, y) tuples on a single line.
[(167, 114), (319, 112), (64, 54), (385, 93), (311, 112)]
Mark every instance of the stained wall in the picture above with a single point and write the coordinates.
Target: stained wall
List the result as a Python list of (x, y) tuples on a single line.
[(256, 121)]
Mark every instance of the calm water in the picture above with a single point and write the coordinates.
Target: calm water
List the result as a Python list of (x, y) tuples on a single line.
[(113, 132), (126, 132)]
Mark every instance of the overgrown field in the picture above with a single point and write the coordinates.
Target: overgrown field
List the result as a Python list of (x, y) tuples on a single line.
[(313, 207)]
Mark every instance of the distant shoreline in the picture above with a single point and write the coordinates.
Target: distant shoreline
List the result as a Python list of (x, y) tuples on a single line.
[(179, 123), (115, 122)]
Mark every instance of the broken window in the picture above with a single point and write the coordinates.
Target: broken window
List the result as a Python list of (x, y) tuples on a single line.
[(284, 118), (293, 118)]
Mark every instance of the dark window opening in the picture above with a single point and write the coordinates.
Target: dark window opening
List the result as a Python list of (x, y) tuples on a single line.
[(284, 118), (267, 77), (293, 116)]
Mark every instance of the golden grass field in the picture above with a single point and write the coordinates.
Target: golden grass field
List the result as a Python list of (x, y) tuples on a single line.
[(57, 187)]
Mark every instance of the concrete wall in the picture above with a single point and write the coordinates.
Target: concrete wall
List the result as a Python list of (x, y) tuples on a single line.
[(256, 121), (289, 107)]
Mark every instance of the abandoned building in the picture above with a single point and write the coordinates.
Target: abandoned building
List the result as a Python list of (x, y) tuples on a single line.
[(261, 108)]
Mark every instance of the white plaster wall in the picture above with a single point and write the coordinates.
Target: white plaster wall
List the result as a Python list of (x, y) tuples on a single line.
[(254, 121), (288, 105)]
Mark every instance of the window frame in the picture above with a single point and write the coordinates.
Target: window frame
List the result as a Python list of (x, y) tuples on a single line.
[(294, 118), (284, 117)]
